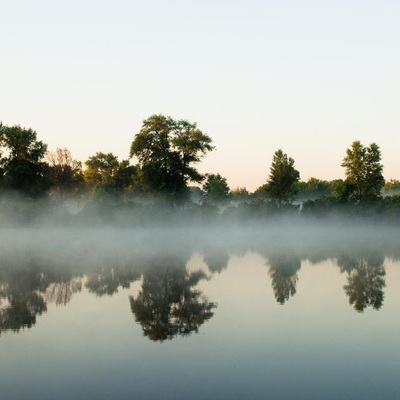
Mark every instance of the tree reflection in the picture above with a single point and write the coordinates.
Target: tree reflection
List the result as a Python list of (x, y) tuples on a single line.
[(107, 281), (61, 292), (283, 272), (21, 302), (21, 312), (365, 281), (24, 293), (168, 305)]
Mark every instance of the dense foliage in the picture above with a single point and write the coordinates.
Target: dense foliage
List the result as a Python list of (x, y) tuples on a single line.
[(167, 152), (21, 162), (364, 172), (283, 176)]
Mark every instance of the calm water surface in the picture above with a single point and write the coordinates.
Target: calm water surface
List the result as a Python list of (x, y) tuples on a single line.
[(261, 315)]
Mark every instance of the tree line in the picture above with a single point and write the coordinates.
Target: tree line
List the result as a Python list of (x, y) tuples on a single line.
[(166, 153)]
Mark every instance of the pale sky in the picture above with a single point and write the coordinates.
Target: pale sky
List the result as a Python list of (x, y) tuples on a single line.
[(309, 77)]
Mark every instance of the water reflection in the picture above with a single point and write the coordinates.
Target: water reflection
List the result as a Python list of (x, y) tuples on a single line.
[(283, 270), (107, 281), (365, 280), (20, 300), (61, 292), (168, 304)]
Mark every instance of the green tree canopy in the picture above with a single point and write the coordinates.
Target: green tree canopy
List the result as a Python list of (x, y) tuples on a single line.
[(21, 160), (392, 187), (216, 189), (281, 184), (104, 171), (240, 194), (364, 171), (167, 150), (313, 189)]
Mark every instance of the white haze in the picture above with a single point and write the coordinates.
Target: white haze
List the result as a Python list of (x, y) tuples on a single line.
[(44, 232)]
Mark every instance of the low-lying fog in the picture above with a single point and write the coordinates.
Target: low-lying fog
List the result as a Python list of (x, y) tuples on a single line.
[(80, 246), (130, 235), (42, 263)]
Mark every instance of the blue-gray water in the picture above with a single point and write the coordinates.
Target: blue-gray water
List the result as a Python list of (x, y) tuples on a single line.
[(260, 315)]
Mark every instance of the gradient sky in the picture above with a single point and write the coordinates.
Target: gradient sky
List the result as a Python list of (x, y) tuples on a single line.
[(305, 76)]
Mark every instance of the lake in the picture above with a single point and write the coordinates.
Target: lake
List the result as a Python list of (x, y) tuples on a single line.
[(288, 313)]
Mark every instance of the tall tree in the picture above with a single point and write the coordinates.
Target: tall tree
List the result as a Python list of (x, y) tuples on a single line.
[(21, 160), (281, 184), (364, 171), (191, 144), (167, 151)]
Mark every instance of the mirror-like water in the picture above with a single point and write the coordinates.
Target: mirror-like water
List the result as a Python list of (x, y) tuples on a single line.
[(177, 315)]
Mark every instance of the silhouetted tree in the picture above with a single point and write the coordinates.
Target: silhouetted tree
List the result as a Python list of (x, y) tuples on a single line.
[(364, 171), (283, 176), (216, 189), (167, 150), (21, 161)]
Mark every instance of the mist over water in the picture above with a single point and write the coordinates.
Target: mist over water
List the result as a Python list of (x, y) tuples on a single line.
[(212, 304), (79, 251), (154, 229), (70, 246)]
